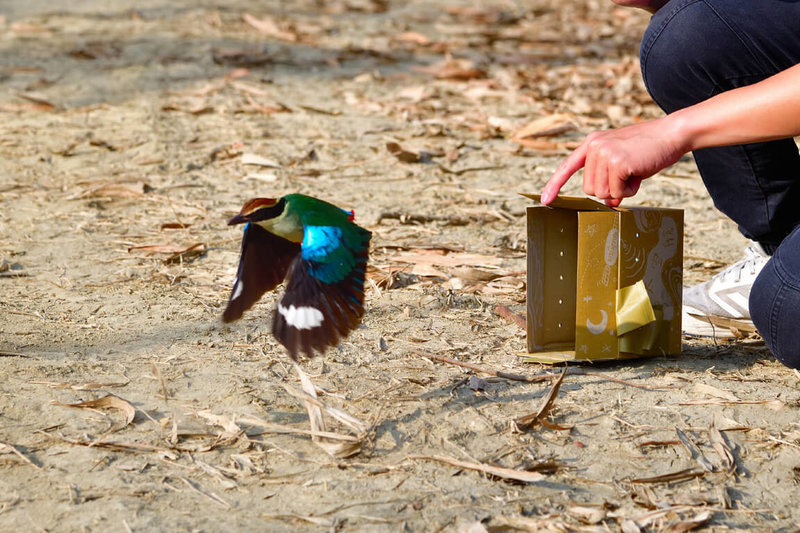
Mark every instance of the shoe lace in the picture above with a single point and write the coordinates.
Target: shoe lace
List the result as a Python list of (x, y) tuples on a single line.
[(751, 263)]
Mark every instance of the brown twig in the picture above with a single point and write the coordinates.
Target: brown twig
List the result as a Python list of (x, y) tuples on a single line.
[(576, 372), (450, 220), (496, 373), (538, 378), (14, 354), (504, 312), (12, 449), (505, 473)]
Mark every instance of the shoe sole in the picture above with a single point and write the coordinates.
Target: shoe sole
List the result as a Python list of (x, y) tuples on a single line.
[(718, 327)]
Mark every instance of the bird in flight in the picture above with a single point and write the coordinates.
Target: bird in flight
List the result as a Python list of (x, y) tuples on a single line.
[(321, 253)]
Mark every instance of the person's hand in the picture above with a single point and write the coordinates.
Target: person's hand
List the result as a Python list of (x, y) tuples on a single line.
[(648, 5), (616, 161)]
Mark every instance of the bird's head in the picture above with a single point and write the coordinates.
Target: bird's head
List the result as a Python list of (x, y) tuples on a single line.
[(259, 209)]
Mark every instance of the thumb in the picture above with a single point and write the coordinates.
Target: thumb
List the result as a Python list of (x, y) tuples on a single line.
[(631, 186)]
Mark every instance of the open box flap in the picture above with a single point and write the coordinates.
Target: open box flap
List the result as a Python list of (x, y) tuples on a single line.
[(574, 203)]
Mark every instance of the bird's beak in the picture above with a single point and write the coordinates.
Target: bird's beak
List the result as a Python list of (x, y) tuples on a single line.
[(238, 219)]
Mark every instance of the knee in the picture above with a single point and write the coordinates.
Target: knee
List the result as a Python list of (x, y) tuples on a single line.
[(775, 311), (677, 57)]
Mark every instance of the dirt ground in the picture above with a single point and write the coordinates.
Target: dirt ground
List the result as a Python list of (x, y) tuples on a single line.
[(130, 132)]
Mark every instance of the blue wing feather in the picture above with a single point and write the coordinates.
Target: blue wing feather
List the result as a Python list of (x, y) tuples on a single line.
[(330, 259)]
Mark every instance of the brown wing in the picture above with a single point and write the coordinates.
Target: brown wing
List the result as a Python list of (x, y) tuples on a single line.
[(263, 264), (312, 315)]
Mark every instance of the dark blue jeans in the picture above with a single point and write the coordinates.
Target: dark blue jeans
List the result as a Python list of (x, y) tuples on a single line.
[(694, 49)]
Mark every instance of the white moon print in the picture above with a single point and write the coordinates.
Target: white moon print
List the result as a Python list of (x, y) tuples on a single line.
[(597, 329)]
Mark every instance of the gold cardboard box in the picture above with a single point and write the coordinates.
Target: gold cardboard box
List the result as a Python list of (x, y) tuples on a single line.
[(603, 283)]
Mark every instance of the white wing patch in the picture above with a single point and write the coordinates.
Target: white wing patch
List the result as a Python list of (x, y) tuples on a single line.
[(239, 287), (301, 317)]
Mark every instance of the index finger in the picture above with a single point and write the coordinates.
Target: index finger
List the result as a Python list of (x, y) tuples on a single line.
[(574, 162)]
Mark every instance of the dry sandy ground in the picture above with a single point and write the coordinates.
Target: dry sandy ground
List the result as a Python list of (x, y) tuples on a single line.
[(127, 134)]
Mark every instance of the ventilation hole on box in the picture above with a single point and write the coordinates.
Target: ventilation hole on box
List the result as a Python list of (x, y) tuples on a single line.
[(637, 234), (559, 324), (561, 277), (560, 301), (561, 253), (636, 259)]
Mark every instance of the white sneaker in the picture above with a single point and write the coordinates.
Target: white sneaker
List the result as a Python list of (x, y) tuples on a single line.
[(719, 307)]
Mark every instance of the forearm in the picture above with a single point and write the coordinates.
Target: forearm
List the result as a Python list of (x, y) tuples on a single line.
[(761, 112)]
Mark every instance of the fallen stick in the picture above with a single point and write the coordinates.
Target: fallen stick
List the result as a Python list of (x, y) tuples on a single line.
[(504, 312), (505, 473), (496, 373), (4, 446), (538, 378)]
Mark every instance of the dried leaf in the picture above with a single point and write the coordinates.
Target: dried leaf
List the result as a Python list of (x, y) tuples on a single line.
[(775, 405), (237, 73), (694, 451), (198, 107), (588, 514), (416, 93), (106, 402), (135, 189), (545, 127), (225, 152), (629, 526), (174, 225), (702, 388), (217, 474), (341, 448), (26, 106), (536, 144), (687, 525), (512, 317), (270, 28), (526, 422), (317, 521), (506, 285), (255, 159), (177, 252), (39, 100), (740, 328), (472, 527), (314, 411), (471, 274), (724, 452), (445, 259), (453, 69), (402, 154), (227, 423), (267, 110), (157, 248), (22, 26), (413, 37), (427, 271), (242, 57), (687, 473), (85, 386), (242, 462)]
